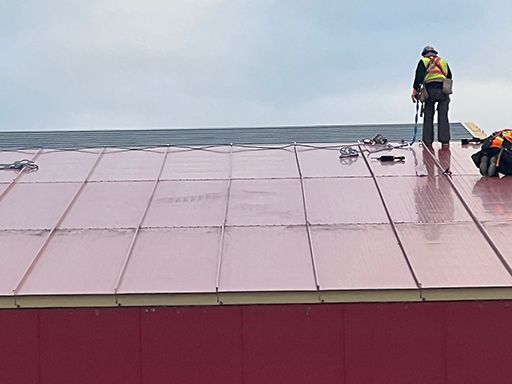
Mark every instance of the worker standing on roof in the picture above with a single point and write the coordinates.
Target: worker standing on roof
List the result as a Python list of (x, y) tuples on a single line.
[(432, 85)]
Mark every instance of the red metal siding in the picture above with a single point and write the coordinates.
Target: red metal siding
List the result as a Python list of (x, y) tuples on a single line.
[(394, 343), (293, 344), (479, 343), (191, 345), (466, 342), (89, 346), (19, 346)]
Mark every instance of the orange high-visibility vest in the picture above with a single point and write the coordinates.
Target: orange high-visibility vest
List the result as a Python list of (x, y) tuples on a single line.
[(437, 69), (501, 139)]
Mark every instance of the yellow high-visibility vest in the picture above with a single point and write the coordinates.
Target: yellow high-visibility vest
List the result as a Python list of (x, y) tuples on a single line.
[(437, 69)]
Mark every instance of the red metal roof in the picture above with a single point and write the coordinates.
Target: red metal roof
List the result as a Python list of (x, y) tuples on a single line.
[(250, 224)]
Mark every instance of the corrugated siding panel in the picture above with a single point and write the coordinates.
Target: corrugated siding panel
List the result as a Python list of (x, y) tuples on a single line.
[(400, 343), (210, 136), (89, 346)]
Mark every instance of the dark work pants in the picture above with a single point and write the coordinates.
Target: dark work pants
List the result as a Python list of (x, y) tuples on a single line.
[(436, 96)]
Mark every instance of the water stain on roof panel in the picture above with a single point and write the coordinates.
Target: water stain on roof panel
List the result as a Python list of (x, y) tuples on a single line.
[(265, 202), (188, 203)]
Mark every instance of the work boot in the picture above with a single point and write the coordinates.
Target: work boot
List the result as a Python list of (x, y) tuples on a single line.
[(492, 171), (484, 165)]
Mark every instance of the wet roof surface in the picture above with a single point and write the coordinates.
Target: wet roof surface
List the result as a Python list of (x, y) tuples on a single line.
[(225, 222)]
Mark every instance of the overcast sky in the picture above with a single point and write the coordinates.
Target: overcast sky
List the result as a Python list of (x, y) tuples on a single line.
[(94, 64)]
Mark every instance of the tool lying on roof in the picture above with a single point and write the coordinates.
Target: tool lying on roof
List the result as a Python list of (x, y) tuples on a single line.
[(389, 158), (352, 151), (474, 140), (20, 165)]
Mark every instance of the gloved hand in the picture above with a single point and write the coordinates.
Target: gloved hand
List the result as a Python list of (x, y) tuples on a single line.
[(415, 96)]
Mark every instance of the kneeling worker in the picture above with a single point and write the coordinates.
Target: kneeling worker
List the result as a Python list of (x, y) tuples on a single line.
[(431, 73), (495, 156)]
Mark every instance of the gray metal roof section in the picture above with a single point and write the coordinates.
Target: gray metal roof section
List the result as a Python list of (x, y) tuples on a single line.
[(213, 136)]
